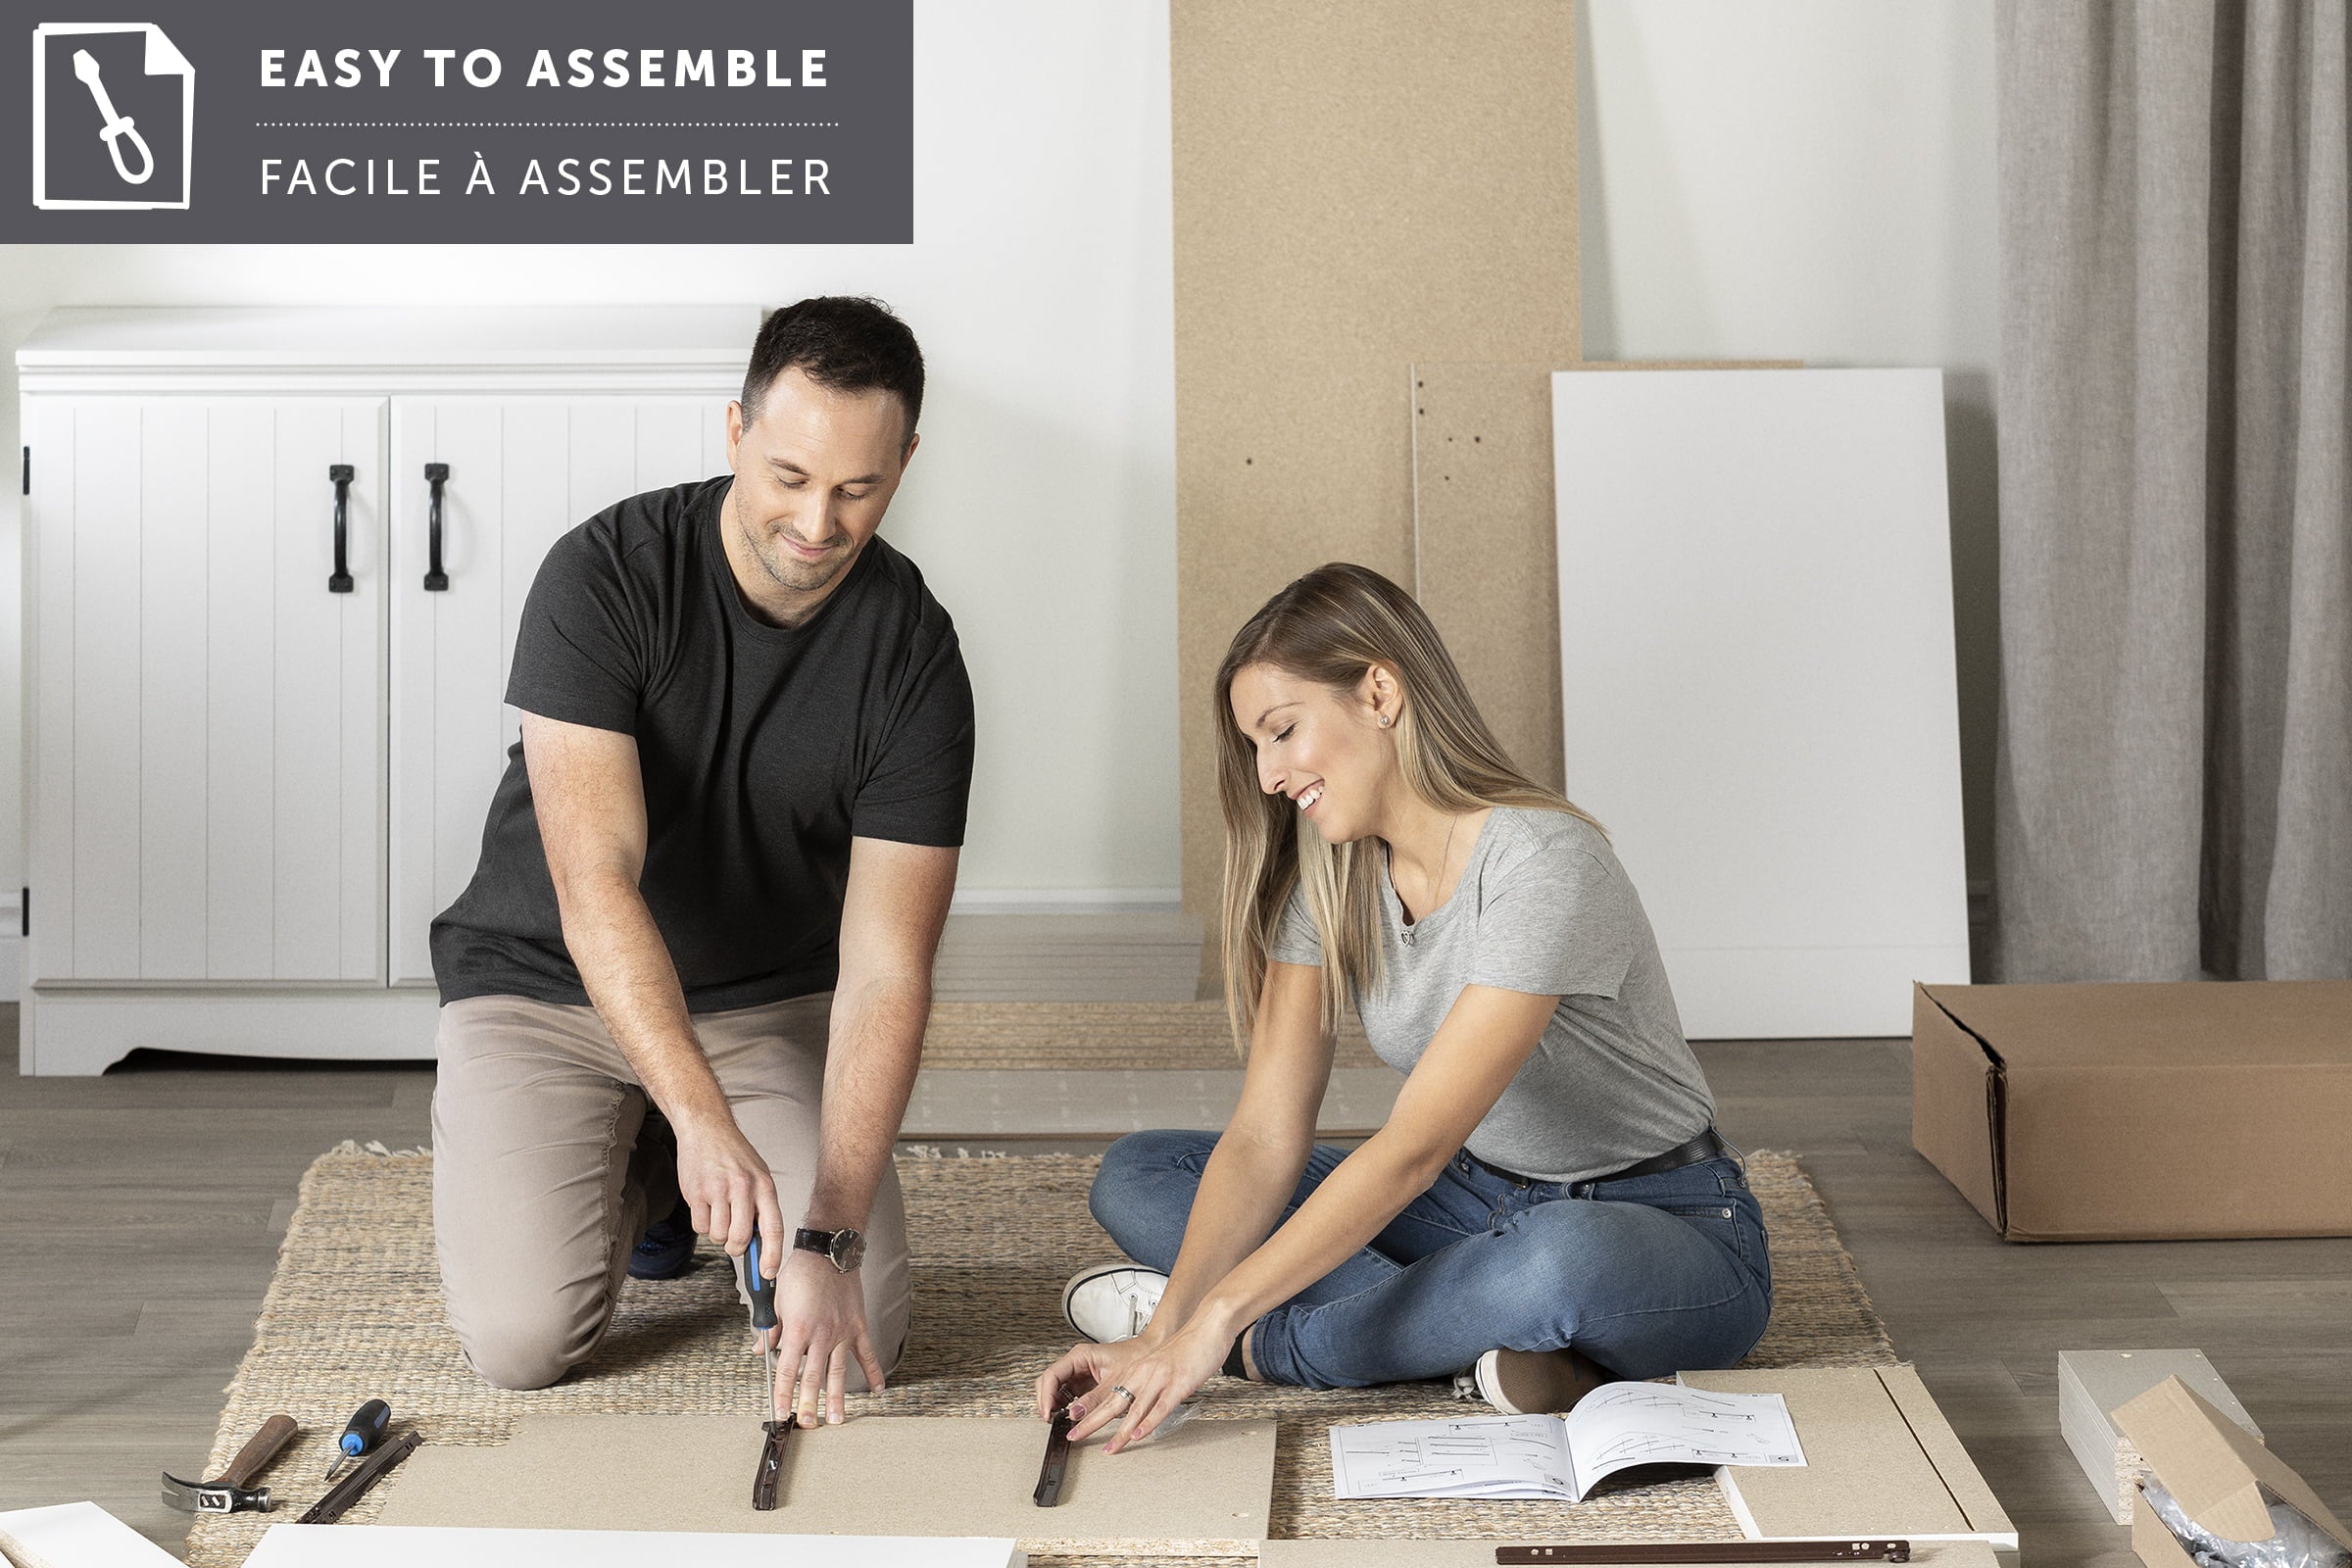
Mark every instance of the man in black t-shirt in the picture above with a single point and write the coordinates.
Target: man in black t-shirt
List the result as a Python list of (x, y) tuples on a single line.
[(713, 878)]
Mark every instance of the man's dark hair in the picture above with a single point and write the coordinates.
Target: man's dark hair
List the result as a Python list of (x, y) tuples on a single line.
[(840, 341)]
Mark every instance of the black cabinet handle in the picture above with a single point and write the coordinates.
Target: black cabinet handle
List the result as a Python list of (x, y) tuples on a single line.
[(435, 579), (340, 582)]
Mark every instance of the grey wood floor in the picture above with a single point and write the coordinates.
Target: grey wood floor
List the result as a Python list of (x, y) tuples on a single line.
[(140, 1215)]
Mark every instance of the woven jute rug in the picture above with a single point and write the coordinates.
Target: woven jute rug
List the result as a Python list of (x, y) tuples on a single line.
[(355, 1313), (1076, 1035)]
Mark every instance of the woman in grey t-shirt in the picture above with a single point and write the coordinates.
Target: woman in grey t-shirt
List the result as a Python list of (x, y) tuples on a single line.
[(1548, 1203)]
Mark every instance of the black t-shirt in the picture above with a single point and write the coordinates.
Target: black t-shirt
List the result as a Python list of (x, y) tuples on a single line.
[(763, 751)]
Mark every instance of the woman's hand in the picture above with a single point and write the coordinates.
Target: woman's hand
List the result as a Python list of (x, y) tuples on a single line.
[(1160, 1377), (1074, 1379)]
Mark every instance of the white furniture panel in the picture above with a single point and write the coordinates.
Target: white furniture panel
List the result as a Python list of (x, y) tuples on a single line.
[(247, 795), (175, 527), (211, 754), (1760, 697), (523, 473)]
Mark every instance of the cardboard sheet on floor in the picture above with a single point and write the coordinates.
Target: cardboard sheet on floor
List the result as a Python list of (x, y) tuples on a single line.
[(1480, 1553), (1879, 1460), (1357, 185), (1485, 551), (1205, 1491), (1756, 627), (409, 1546), (75, 1535)]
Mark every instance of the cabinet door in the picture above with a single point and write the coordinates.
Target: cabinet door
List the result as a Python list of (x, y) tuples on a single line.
[(207, 795), (521, 473)]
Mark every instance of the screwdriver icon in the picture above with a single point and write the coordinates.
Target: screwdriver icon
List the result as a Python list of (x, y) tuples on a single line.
[(117, 126)]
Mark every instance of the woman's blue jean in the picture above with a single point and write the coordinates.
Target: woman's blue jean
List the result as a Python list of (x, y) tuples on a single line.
[(1645, 1276)]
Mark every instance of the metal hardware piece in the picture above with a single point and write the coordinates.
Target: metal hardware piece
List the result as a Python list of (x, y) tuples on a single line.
[(1739, 1551), (771, 1476), (353, 1487), (1056, 1466), (436, 580), (339, 474)]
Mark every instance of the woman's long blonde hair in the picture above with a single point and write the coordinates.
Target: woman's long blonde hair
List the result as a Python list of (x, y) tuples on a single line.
[(1331, 626)]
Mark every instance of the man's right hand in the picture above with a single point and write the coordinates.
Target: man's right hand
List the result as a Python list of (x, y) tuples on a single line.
[(730, 1190)]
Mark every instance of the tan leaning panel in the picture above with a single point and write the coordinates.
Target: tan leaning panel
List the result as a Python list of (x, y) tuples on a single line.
[(1485, 540), (1358, 185)]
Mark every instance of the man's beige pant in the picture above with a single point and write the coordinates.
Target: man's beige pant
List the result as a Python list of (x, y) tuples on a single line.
[(540, 1193)]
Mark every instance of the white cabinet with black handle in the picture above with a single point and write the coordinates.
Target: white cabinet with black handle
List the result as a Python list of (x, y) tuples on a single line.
[(273, 565)]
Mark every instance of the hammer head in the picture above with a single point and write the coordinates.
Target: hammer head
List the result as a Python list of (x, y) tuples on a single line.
[(214, 1496)]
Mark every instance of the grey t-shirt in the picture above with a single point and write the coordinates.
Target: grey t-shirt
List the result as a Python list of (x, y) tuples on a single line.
[(1543, 908)]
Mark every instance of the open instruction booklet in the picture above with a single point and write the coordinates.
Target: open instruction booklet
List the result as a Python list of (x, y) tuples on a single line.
[(1615, 1426)]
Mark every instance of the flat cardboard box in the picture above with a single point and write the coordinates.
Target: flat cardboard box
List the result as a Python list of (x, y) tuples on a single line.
[(2094, 1384), (2216, 1470), (2130, 1112), (1880, 1461)]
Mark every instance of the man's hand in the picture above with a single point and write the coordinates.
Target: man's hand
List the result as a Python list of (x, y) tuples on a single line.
[(728, 1184), (820, 1323)]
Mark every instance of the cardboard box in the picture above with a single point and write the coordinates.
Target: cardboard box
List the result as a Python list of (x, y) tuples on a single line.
[(2130, 1112), (2095, 1384), (2217, 1471)]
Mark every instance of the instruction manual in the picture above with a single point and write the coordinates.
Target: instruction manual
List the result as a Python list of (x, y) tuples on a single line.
[(1615, 1426)]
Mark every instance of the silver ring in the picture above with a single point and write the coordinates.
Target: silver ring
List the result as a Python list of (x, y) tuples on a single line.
[(1121, 1388)]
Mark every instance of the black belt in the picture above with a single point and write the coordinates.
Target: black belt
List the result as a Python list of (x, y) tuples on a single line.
[(1706, 1145)]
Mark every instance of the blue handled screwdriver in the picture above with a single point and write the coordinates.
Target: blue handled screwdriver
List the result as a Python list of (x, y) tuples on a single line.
[(364, 1431), (763, 1293)]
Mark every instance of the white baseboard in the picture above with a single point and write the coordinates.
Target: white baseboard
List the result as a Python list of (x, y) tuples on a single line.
[(1067, 901)]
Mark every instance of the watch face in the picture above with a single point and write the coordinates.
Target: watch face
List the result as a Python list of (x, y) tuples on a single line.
[(847, 1249)]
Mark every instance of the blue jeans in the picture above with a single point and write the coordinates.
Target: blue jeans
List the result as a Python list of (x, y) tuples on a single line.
[(1645, 1276)]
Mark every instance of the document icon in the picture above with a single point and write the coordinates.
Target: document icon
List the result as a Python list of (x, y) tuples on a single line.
[(114, 115)]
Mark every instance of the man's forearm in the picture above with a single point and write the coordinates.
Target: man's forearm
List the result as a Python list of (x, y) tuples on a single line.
[(877, 1045), (625, 967)]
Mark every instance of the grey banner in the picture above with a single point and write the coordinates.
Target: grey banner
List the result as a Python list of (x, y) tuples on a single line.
[(594, 121)]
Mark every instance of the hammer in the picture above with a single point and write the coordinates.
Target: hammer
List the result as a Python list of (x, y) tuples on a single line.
[(233, 1491)]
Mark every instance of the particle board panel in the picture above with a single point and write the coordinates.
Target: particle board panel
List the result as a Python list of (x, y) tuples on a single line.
[(75, 1535), (1357, 187), (291, 1546), (1879, 1460), (1485, 551), (1205, 1490)]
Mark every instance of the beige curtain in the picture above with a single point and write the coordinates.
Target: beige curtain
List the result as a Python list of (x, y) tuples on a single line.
[(2174, 777)]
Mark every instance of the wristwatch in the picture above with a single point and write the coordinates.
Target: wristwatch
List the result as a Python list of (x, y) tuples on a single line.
[(846, 1249)]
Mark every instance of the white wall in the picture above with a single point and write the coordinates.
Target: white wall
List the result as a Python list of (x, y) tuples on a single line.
[(1042, 506), (1810, 179)]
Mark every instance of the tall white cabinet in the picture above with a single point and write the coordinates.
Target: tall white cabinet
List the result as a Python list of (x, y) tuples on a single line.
[(275, 564)]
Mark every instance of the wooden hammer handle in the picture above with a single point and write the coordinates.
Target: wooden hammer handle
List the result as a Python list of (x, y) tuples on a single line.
[(253, 1459)]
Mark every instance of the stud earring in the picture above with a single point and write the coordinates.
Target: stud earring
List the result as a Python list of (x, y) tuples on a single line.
[(1384, 721)]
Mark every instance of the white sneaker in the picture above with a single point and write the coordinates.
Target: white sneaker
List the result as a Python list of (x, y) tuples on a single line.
[(1111, 1301), (1530, 1382)]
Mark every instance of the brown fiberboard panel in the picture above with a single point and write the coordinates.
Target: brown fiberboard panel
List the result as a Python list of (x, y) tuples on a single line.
[(1486, 542), (1480, 1553), (1206, 1489), (1879, 1460), (1358, 184)]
